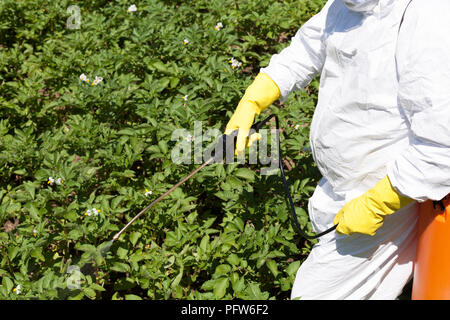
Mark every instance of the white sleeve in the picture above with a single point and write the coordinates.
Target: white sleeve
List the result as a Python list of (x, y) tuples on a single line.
[(423, 64), (296, 65)]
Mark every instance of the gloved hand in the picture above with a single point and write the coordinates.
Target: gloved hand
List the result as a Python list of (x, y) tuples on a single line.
[(366, 213), (258, 96)]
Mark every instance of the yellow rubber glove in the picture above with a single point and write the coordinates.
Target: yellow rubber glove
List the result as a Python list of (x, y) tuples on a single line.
[(259, 95), (366, 213)]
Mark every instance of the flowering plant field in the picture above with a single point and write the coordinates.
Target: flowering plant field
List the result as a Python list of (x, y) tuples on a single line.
[(90, 94)]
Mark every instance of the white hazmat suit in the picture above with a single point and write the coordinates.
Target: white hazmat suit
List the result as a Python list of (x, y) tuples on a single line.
[(383, 109)]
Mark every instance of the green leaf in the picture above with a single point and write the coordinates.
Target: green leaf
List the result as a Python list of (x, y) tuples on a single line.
[(220, 287), (122, 253), (174, 81), (239, 223), (12, 252), (272, 265), (293, 267), (71, 216), (75, 234), (238, 284), (3, 272), (260, 262), (208, 285), (253, 292), (177, 279), (7, 283), (31, 189), (127, 132), (204, 244), (89, 292), (120, 267), (245, 173), (96, 287), (223, 269), (37, 253), (116, 296), (134, 237), (85, 247), (163, 146), (34, 213), (233, 259), (20, 172)]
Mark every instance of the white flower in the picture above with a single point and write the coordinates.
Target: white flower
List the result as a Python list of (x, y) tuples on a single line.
[(132, 8), (148, 192), (185, 98), (97, 80), (52, 181), (92, 211), (17, 289), (235, 63), (186, 41), (297, 126), (218, 26), (84, 78), (34, 232)]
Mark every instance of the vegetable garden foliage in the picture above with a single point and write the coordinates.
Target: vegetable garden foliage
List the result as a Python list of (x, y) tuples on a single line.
[(78, 161)]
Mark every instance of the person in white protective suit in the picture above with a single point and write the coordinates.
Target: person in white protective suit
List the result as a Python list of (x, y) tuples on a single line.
[(380, 136)]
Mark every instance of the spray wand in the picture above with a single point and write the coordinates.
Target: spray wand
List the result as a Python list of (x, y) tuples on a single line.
[(227, 142)]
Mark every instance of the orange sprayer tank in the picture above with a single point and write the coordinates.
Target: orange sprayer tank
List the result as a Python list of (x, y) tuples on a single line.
[(432, 265)]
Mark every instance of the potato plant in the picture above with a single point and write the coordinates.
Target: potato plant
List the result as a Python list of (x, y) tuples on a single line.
[(90, 93)]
